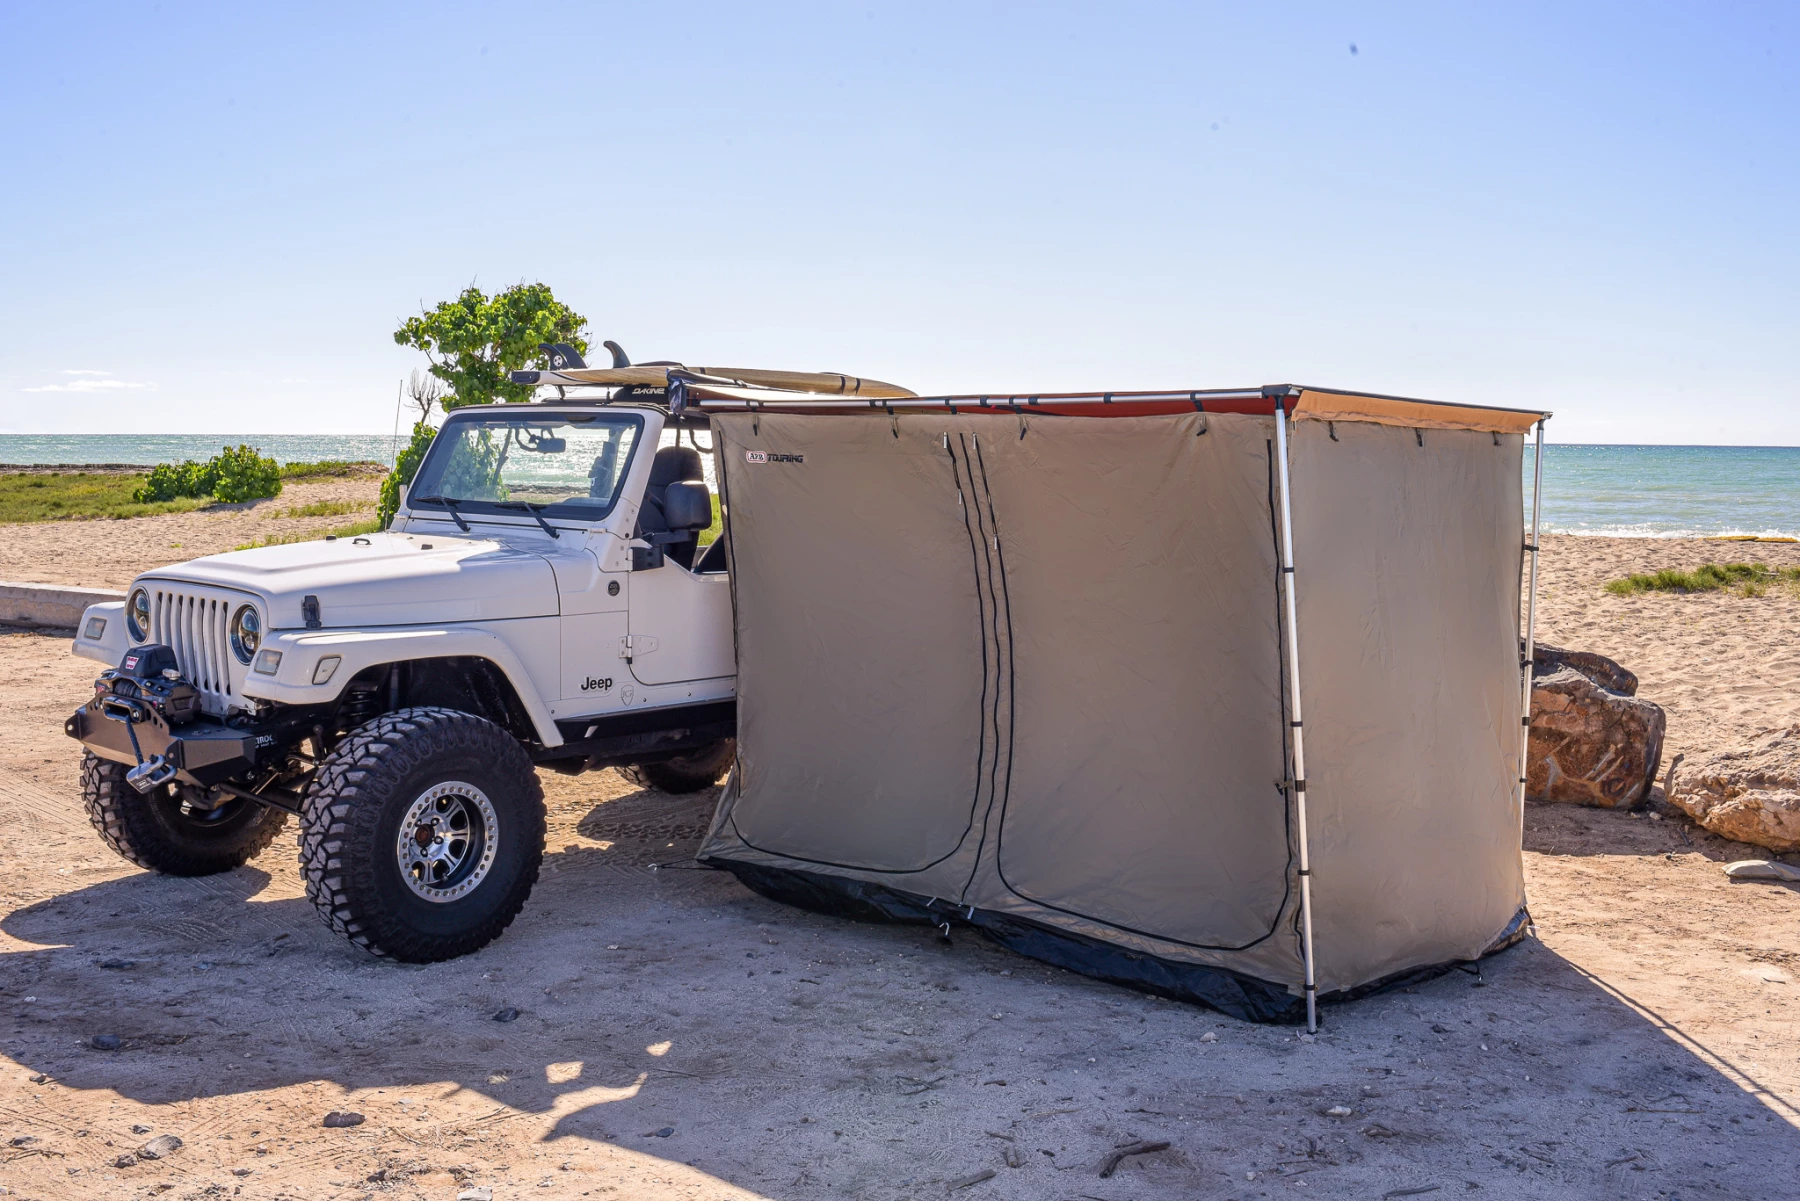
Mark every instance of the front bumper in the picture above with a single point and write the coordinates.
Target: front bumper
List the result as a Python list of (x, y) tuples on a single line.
[(204, 751)]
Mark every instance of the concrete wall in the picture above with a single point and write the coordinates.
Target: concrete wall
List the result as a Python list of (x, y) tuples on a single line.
[(48, 606)]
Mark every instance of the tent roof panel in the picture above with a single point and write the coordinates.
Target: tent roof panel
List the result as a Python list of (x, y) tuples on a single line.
[(1323, 404), (1327, 404)]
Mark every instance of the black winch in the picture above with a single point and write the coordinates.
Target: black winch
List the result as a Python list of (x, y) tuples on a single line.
[(147, 681)]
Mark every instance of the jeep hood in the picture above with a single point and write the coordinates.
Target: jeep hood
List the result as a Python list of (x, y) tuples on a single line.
[(383, 579)]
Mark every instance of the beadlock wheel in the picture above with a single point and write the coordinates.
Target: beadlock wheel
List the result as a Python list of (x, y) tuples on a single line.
[(447, 841)]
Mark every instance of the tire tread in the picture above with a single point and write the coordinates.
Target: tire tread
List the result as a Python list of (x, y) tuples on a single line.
[(342, 803), (114, 808)]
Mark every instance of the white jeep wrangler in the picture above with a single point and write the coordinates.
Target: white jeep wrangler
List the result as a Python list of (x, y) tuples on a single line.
[(542, 598)]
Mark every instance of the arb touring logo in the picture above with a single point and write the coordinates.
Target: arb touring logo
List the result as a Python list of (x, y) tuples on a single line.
[(757, 456)]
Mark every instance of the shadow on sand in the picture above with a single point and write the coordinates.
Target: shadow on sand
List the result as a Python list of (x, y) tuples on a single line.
[(801, 1056)]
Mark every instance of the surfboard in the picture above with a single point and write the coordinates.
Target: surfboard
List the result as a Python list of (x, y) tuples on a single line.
[(829, 382)]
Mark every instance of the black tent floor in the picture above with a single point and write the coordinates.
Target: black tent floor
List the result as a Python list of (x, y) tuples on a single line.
[(1231, 993)]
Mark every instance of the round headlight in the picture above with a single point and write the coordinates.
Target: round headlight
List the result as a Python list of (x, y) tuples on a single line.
[(246, 633), (137, 615)]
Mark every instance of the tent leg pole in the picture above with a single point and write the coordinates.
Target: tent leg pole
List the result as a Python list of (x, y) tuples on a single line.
[(1537, 490), (1297, 727)]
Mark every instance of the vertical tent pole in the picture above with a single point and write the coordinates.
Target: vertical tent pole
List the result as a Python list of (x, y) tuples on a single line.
[(1293, 666), (1537, 489)]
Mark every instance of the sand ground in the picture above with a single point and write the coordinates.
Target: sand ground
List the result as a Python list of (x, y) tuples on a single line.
[(107, 554), (679, 1036), (1722, 665)]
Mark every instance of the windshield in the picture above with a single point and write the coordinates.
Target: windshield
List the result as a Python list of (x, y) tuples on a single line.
[(567, 465)]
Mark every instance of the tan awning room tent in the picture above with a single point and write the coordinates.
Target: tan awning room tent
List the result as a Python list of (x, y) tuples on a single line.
[(1215, 694)]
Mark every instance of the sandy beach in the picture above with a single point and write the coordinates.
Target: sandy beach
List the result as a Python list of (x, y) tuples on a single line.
[(108, 554), (1723, 665), (678, 1036)]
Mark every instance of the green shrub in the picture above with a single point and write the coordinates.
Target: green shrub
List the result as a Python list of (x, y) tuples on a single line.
[(405, 467), (243, 475), (163, 483), (711, 533), (234, 475), (167, 481)]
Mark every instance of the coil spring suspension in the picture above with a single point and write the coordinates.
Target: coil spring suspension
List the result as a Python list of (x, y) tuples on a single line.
[(360, 705)]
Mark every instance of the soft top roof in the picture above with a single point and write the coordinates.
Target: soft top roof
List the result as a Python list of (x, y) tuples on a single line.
[(1302, 401)]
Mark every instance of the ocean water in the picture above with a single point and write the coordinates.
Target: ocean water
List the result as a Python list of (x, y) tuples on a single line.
[(1670, 491), (150, 449), (1624, 491)]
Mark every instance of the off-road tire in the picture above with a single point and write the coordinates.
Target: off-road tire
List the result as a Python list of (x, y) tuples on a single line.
[(352, 816), (150, 830), (685, 773)]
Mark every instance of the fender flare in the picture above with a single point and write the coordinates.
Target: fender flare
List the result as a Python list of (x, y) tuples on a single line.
[(112, 644), (301, 651)]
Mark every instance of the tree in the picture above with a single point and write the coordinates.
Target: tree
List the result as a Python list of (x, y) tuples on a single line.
[(426, 392), (474, 341)]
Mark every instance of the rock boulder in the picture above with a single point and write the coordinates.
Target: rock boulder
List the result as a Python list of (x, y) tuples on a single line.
[(1603, 671), (1592, 741), (1751, 794)]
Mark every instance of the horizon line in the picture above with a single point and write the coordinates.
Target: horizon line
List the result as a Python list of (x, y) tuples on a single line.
[(406, 433)]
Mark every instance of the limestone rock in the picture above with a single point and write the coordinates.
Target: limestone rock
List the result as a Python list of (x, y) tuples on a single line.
[(160, 1147), (1603, 671), (1763, 869), (1592, 741), (1751, 794)]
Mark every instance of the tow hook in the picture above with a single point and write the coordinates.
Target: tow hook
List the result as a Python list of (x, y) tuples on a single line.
[(149, 774)]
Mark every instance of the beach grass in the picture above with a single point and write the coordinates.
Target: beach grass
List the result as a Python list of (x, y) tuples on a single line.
[(65, 495), (344, 531), (1746, 579), (327, 508), (332, 469)]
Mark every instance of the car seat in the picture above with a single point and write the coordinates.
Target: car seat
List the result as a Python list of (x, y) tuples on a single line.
[(671, 465)]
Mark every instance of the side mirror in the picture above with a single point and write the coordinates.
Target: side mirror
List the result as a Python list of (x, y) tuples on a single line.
[(687, 505)]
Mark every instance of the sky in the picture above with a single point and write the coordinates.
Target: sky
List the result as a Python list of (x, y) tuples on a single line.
[(212, 219)]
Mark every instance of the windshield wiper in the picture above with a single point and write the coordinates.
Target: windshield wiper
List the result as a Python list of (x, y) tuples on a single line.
[(448, 504), (531, 509)]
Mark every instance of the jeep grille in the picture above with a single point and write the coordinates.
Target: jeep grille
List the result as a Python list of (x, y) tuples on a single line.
[(195, 622)]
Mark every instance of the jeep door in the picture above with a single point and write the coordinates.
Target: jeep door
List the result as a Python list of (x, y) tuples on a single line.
[(680, 626)]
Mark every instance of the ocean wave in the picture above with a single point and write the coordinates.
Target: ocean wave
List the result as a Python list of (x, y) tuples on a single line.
[(1659, 530)]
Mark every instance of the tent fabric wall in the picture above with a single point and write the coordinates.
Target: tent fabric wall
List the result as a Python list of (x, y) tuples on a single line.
[(1142, 803), (862, 665), (1027, 672), (1407, 562)]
